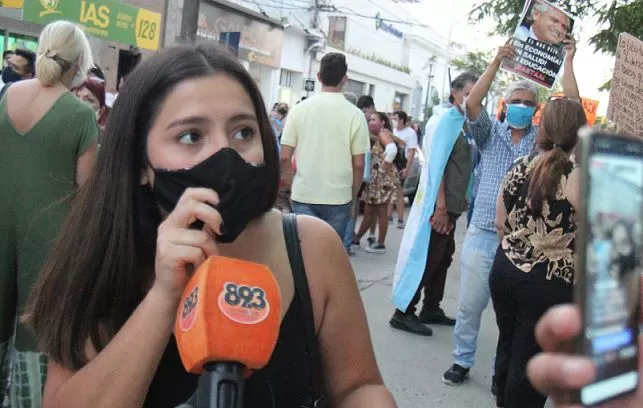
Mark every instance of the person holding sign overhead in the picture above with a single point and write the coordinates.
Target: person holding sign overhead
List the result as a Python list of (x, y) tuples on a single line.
[(499, 144)]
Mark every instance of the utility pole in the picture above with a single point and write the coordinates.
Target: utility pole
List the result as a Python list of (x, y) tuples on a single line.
[(189, 22), (428, 85), (312, 52)]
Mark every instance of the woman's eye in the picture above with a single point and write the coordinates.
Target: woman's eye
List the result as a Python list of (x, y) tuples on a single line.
[(189, 138), (243, 134)]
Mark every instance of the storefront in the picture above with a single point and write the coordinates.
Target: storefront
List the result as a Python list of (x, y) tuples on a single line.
[(14, 33), (119, 32), (255, 39)]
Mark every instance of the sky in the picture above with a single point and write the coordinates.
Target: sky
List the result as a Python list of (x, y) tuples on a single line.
[(439, 14)]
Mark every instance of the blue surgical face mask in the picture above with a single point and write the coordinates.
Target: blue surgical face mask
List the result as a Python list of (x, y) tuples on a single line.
[(520, 116)]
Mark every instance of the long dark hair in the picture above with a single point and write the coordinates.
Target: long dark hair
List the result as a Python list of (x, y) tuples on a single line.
[(103, 260), (384, 118), (557, 137)]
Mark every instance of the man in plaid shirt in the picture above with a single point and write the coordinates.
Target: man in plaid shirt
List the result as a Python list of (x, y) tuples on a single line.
[(499, 144)]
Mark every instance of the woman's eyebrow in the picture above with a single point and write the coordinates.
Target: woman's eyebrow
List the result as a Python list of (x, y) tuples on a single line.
[(190, 120)]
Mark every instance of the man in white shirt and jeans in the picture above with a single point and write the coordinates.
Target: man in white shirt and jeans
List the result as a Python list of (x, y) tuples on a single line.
[(404, 132)]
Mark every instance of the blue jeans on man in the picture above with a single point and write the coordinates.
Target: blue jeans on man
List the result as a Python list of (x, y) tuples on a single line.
[(337, 216), (349, 233), (478, 253), (479, 250)]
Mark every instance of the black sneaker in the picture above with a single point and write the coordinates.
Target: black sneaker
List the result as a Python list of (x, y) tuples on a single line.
[(455, 375), (500, 401), (409, 323), (437, 317)]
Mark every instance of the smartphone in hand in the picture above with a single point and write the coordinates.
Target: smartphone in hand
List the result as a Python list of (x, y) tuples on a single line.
[(609, 263)]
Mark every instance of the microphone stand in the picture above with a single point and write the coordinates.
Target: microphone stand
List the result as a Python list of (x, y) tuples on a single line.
[(221, 386)]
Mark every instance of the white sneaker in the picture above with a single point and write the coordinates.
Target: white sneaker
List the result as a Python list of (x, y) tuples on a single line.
[(376, 249)]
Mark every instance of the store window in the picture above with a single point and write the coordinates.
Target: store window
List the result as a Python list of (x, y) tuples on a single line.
[(354, 87), (337, 32), (21, 41)]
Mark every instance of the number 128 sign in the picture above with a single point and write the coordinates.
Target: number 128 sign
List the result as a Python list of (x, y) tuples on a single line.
[(107, 19)]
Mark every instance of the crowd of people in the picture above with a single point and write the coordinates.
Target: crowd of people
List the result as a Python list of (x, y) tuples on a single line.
[(97, 245)]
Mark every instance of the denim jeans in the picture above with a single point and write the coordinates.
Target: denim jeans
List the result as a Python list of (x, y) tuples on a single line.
[(350, 232), (478, 252), (337, 216)]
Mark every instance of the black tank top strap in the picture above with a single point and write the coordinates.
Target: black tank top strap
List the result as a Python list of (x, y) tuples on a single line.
[(304, 304)]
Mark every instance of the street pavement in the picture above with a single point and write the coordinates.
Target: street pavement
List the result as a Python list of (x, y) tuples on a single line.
[(413, 365)]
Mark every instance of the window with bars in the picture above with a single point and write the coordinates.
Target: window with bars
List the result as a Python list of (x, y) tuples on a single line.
[(337, 31), (285, 78)]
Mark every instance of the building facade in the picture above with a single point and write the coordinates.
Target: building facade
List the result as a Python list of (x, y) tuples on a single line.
[(390, 56), (112, 28)]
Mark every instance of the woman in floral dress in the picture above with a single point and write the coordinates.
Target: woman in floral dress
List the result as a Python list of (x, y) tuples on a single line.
[(384, 185), (534, 266)]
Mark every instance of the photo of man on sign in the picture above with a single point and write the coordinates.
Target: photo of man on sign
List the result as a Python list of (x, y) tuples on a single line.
[(540, 41), (546, 24)]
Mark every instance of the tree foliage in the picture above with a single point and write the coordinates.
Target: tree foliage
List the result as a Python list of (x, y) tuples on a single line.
[(476, 62), (614, 17)]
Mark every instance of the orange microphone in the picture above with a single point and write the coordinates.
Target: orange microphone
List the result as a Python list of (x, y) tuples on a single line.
[(227, 325)]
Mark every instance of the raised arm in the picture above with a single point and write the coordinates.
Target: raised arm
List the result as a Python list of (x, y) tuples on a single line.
[(481, 88), (568, 80)]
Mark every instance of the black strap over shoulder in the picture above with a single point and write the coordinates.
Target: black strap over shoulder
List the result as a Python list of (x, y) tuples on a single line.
[(305, 304)]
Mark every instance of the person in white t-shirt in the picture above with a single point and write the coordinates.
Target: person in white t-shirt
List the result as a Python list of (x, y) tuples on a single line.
[(403, 131)]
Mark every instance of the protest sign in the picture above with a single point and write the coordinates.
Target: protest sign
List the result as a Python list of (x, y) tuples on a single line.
[(538, 42), (625, 107)]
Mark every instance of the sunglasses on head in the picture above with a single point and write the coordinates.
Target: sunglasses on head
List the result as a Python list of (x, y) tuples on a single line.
[(563, 98)]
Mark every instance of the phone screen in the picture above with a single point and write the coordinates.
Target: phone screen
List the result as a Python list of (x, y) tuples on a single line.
[(613, 240)]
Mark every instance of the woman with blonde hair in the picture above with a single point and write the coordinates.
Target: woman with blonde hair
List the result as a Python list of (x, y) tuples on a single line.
[(48, 140)]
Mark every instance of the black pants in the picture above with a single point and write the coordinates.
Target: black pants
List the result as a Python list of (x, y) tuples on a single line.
[(520, 299), (441, 249)]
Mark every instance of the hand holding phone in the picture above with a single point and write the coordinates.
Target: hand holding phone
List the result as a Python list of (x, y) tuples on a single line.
[(609, 247), (560, 373)]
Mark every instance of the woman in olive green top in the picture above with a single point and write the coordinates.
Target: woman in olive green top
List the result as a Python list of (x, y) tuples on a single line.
[(48, 145)]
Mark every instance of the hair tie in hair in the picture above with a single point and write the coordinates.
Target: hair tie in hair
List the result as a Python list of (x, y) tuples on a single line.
[(49, 54)]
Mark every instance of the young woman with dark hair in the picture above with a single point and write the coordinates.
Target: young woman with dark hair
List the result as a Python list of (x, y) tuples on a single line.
[(384, 185), (534, 266), (106, 301)]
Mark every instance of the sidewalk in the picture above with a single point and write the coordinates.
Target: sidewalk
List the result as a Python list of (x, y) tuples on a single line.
[(412, 365)]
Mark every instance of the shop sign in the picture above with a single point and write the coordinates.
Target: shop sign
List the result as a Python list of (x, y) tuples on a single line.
[(17, 4), (259, 42), (107, 19), (384, 26)]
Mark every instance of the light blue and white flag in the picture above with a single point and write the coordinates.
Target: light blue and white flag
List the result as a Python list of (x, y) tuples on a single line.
[(414, 249)]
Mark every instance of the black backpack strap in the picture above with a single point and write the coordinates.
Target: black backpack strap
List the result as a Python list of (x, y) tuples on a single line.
[(302, 292), (5, 88)]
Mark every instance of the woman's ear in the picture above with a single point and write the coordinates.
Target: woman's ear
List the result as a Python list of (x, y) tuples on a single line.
[(147, 177)]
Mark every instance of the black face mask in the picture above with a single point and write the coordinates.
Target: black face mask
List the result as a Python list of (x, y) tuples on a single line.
[(240, 186), (9, 75)]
